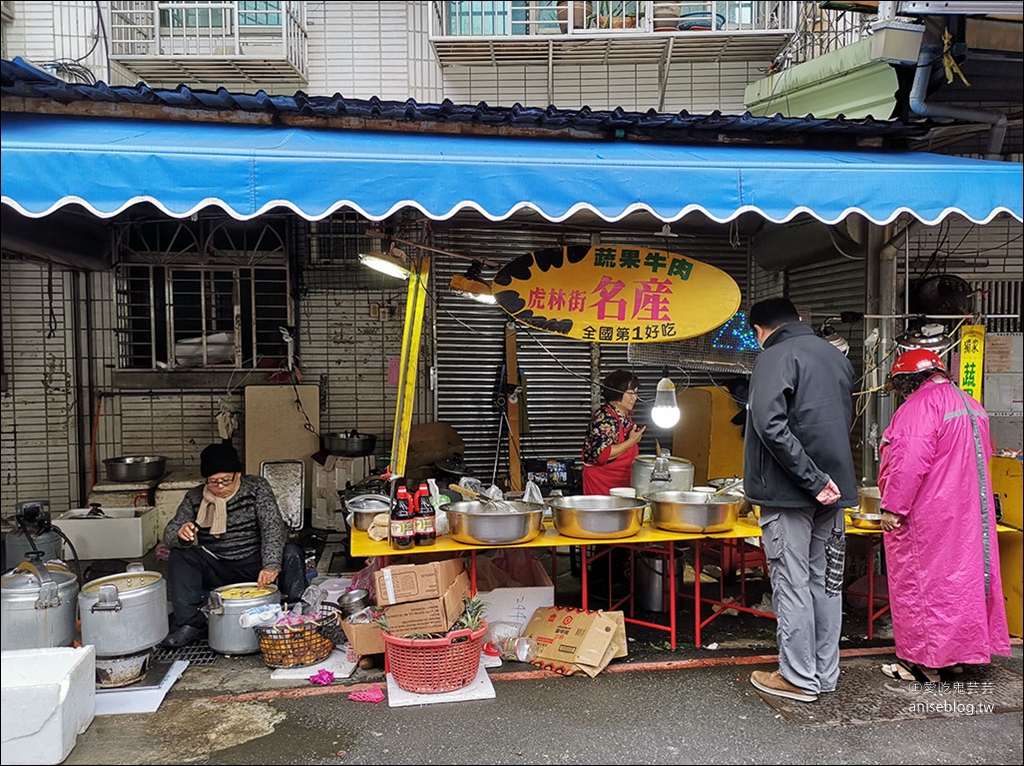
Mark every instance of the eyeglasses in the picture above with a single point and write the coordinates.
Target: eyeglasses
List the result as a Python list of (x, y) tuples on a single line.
[(633, 391), (221, 482)]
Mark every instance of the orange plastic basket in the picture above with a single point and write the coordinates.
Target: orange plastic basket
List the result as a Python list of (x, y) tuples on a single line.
[(434, 665)]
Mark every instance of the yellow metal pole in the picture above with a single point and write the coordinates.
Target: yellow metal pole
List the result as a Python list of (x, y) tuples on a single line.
[(408, 367)]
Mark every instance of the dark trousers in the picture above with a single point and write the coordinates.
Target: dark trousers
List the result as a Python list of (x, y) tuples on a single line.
[(193, 573)]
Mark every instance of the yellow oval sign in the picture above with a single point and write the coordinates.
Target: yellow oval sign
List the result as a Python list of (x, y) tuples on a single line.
[(611, 294)]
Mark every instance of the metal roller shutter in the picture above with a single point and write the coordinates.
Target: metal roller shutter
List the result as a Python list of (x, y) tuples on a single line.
[(561, 382)]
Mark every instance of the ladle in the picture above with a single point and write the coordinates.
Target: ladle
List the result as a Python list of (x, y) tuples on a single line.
[(499, 504)]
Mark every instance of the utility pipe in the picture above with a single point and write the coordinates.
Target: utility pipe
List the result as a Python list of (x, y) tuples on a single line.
[(929, 54)]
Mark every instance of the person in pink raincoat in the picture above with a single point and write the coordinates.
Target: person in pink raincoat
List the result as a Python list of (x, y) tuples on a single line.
[(939, 518)]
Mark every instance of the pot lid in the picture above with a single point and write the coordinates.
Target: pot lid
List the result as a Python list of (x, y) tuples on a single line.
[(672, 459), (24, 578), (124, 582), (370, 502)]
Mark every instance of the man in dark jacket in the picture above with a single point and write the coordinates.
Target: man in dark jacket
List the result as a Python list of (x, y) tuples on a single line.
[(228, 530), (798, 466)]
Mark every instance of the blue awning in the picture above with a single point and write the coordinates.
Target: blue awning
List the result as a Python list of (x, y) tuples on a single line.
[(109, 164)]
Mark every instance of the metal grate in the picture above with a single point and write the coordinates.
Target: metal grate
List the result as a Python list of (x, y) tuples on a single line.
[(198, 653), (729, 348)]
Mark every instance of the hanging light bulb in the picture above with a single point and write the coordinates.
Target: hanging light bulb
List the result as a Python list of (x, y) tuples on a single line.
[(393, 263), (665, 412)]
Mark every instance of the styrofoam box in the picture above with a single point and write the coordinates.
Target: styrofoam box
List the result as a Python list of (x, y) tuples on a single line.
[(122, 533), (517, 605), (48, 699)]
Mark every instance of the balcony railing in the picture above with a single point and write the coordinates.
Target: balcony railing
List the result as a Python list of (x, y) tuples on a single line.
[(254, 42), (578, 31)]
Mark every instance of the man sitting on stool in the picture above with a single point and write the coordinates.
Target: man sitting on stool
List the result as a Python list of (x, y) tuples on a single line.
[(226, 531)]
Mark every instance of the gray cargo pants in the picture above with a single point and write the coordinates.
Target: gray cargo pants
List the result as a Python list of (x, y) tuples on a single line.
[(809, 622)]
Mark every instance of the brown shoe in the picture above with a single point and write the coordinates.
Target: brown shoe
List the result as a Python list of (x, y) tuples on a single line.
[(774, 683)]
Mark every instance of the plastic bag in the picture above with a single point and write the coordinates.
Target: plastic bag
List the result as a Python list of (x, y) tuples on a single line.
[(470, 483), (532, 493), (494, 493)]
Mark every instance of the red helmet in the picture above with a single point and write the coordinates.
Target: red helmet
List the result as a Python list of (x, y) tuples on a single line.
[(917, 360)]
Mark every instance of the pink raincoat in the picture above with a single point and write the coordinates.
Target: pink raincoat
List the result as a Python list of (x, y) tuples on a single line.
[(935, 559)]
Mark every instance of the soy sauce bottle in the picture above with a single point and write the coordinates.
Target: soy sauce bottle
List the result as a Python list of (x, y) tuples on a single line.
[(403, 536), (426, 517)]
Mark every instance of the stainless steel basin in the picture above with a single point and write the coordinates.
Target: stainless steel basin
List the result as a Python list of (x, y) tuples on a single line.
[(697, 512), (478, 523), (597, 517)]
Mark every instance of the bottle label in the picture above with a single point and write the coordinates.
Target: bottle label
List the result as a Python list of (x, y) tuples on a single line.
[(424, 525)]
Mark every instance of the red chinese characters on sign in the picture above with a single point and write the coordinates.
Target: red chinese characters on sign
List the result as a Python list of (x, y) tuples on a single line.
[(616, 294)]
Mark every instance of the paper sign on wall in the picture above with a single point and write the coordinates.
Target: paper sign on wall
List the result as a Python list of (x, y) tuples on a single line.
[(972, 354)]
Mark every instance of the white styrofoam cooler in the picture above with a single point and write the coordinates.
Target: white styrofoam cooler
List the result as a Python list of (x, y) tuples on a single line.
[(121, 534), (48, 698)]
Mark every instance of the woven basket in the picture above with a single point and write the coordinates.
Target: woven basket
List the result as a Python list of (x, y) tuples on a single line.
[(434, 665), (293, 646)]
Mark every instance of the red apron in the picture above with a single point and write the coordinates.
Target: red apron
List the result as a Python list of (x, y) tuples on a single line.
[(598, 479)]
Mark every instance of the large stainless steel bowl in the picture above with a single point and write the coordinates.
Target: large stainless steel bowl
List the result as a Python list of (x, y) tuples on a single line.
[(143, 468), (866, 520), (696, 512), (507, 523), (597, 517)]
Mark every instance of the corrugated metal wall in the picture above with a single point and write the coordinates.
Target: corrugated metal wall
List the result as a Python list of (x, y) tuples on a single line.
[(38, 411), (562, 388)]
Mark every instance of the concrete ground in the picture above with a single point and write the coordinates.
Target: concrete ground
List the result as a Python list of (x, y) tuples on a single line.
[(659, 705)]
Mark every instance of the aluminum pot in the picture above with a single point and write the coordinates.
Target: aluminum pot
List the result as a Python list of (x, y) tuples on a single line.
[(471, 522), (350, 444), (365, 507), (870, 500), (696, 512), (124, 614), (37, 605), (597, 517), (142, 468), (223, 608), (661, 474)]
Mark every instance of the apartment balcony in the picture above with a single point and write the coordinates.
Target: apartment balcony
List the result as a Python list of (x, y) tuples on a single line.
[(210, 42), (553, 32)]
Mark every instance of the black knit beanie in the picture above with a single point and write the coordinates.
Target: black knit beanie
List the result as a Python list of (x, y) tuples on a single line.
[(219, 458)]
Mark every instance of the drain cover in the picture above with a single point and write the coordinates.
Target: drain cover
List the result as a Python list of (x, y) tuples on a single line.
[(198, 653)]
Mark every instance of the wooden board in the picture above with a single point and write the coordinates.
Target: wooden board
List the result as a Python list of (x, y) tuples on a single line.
[(275, 428)]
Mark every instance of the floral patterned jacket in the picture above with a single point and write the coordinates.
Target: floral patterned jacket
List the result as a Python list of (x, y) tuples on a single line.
[(606, 429)]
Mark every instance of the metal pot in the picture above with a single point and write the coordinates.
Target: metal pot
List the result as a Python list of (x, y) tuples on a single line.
[(870, 500), (661, 474), (696, 512), (354, 601), (124, 613), (223, 608), (350, 444), (365, 507), (142, 468), (37, 605)]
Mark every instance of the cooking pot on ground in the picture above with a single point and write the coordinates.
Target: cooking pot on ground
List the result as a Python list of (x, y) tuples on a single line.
[(350, 443), (223, 608), (124, 613), (37, 606)]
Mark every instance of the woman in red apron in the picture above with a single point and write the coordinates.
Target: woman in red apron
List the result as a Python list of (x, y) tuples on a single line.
[(612, 440)]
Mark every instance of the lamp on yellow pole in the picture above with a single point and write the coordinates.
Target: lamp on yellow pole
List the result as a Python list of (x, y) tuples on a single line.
[(408, 366)]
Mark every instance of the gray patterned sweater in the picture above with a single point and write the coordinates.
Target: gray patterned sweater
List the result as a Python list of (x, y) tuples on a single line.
[(254, 524)]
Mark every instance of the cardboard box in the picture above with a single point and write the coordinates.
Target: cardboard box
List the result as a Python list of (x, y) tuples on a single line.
[(363, 637), (432, 615), (415, 582), (517, 605), (122, 533), (571, 640)]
